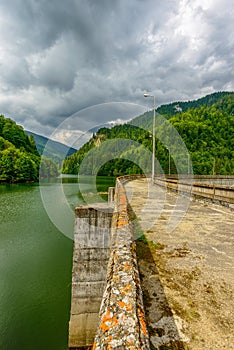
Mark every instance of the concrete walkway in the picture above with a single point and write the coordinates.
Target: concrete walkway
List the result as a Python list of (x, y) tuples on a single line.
[(186, 268)]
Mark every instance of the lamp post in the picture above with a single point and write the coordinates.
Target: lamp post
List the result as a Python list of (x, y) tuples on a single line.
[(169, 162), (153, 151)]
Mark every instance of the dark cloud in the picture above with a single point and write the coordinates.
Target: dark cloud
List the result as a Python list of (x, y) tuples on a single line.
[(58, 57)]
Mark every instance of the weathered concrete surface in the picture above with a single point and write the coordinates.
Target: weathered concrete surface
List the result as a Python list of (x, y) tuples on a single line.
[(122, 322), (90, 259), (186, 275)]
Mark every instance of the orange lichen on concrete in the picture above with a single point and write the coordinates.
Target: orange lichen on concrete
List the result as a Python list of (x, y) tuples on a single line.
[(125, 290), (130, 343), (115, 256), (142, 322), (108, 321), (129, 307), (126, 306), (121, 304), (122, 222), (122, 200), (110, 338), (127, 267), (115, 278)]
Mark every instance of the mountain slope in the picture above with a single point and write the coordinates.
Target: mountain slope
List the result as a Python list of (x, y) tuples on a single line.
[(206, 127), (54, 150)]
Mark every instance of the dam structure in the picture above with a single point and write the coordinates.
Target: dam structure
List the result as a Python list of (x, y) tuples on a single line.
[(107, 310)]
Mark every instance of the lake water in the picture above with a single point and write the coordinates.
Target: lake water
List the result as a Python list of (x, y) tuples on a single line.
[(35, 268)]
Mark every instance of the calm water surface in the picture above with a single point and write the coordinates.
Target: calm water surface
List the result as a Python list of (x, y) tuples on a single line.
[(35, 270)]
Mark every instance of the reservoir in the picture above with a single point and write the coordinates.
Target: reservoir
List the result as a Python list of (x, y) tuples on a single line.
[(35, 268)]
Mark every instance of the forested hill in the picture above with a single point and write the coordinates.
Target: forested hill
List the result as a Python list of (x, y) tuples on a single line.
[(206, 126), (19, 158), (171, 109)]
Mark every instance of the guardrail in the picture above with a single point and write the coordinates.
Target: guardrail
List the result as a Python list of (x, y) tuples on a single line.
[(226, 180), (215, 192)]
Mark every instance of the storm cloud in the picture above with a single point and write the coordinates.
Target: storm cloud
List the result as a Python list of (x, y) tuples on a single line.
[(59, 57)]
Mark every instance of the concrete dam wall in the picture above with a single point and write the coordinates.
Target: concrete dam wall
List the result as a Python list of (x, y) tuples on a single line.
[(107, 307), (90, 258)]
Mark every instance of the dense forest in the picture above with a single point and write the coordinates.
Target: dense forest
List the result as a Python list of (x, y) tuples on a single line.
[(19, 157), (206, 127)]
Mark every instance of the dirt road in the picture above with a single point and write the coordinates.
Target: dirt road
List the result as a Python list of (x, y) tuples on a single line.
[(186, 270)]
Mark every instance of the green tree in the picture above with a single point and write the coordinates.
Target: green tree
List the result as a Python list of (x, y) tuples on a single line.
[(19, 159), (48, 168)]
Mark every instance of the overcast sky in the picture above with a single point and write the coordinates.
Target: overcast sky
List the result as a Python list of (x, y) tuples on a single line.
[(58, 57)]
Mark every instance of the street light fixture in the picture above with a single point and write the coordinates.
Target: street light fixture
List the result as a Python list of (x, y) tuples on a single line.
[(153, 151)]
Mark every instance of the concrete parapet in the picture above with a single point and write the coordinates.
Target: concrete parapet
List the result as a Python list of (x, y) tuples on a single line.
[(224, 180), (121, 320), (215, 192)]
